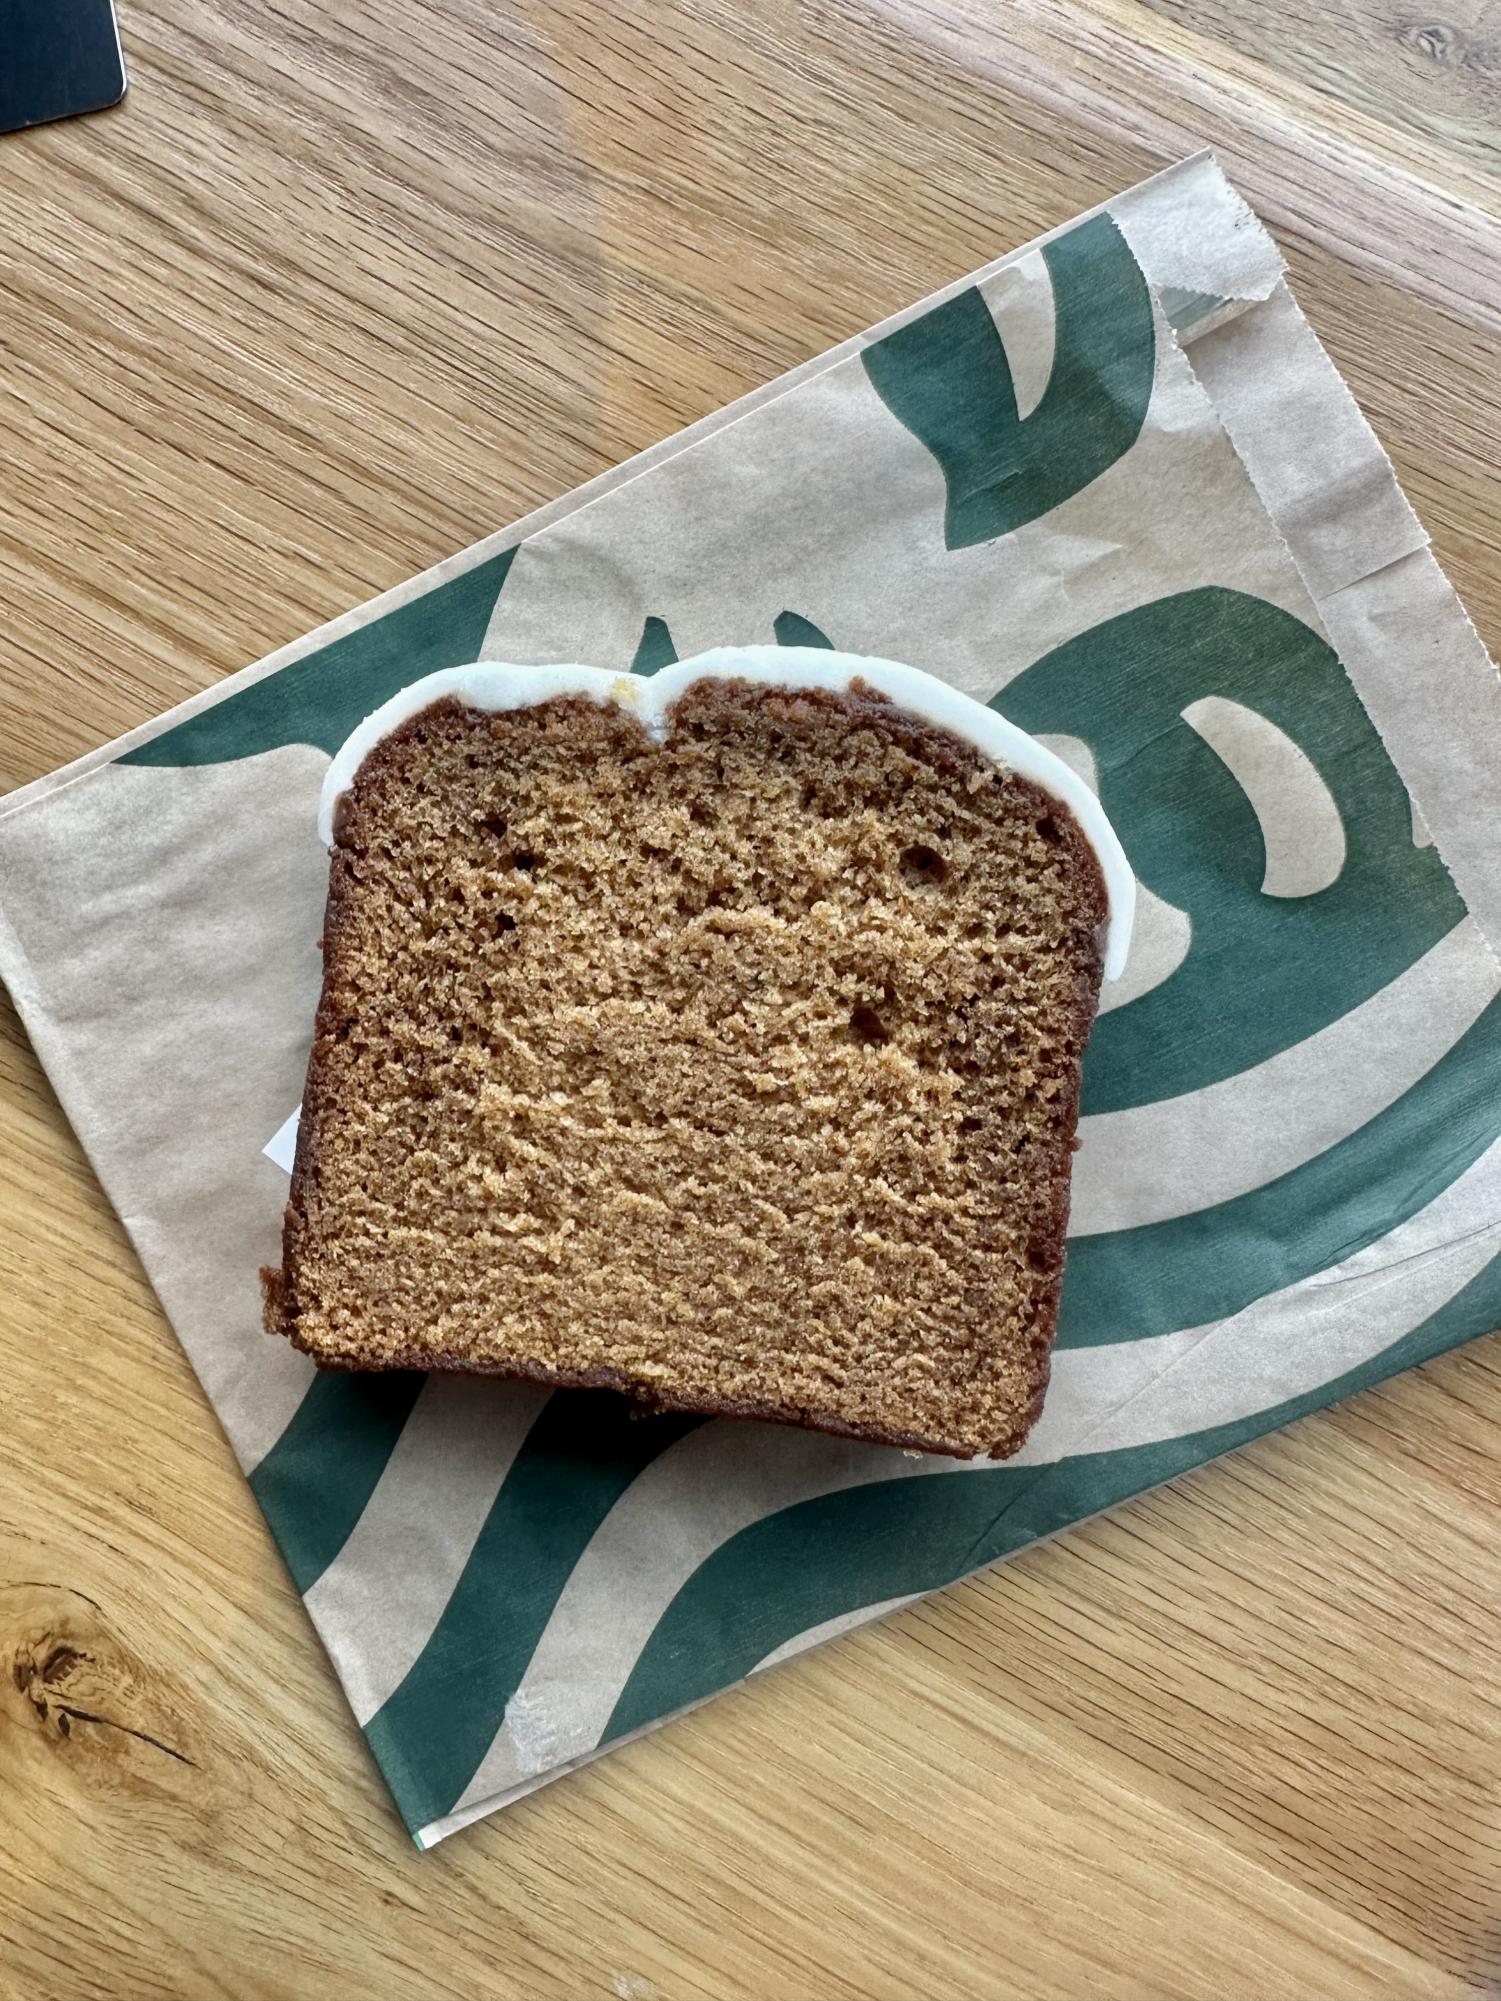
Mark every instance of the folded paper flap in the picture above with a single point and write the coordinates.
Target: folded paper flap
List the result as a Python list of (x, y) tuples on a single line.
[(1203, 251), (1078, 484), (1400, 630), (1311, 455)]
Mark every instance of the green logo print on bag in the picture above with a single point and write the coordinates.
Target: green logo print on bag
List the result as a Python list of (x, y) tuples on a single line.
[(945, 376), (1263, 971)]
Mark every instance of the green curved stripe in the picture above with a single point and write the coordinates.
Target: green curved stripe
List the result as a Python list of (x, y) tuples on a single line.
[(654, 649), (313, 1484), (1123, 1285), (1263, 972), (945, 376), (826, 1557), (792, 629), (584, 1450), (319, 699)]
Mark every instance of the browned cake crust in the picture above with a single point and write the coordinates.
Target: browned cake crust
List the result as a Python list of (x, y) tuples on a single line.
[(739, 1072)]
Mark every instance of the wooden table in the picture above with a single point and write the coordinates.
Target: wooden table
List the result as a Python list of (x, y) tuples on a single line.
[(344, 285)]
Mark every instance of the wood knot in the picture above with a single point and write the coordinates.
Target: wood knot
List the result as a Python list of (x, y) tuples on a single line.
[(1434, 40), (86, 1697)]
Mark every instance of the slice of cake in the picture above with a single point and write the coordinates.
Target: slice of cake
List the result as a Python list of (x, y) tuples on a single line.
[(713, 1037)]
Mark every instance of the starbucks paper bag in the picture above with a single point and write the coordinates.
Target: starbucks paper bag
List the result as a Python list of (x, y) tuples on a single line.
[(1111, 485)]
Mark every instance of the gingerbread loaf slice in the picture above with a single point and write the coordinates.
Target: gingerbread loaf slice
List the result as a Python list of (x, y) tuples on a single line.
[(715, 1039)]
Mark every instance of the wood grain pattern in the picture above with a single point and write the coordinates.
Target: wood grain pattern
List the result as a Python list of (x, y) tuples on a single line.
[(1431, 72), (342, 286)]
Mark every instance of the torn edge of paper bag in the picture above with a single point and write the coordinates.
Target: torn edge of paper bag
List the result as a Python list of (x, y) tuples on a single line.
[(1198, 244)]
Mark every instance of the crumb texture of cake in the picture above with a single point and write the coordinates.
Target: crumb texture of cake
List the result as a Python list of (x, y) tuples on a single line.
[(737, 1070)]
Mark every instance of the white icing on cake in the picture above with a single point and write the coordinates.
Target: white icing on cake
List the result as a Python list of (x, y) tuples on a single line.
[(491, 685)]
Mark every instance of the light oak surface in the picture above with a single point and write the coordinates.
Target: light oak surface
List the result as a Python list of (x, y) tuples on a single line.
[(344, 285)]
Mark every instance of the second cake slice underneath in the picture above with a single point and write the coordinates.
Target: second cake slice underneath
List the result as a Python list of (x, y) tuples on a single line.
[(737, 1070)]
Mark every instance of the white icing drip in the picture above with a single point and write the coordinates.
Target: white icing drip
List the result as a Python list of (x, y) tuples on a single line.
[(491, 685)]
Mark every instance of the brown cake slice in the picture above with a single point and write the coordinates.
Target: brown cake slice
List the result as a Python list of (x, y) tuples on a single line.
[(724, 1052)]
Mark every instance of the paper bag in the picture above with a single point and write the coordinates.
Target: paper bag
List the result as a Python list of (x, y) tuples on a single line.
[(1111, 485)]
